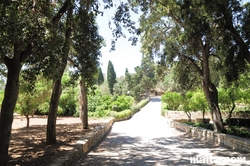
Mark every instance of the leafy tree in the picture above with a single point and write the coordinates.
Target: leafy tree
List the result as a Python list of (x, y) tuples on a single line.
[(148, 79), (120, 87), (68, 99), (28, 101), (191, 38), (100, 79), (18, 41), (133, 83), (111, 77), (31, 99), (87, 45), (173, 100)]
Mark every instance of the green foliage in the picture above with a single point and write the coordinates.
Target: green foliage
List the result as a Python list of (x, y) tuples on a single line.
[(164, 109), (68, 98), (234, 130), (125, 114), (202, 125), (173, 100), (34, 99), (121, 115), (136, 107), (111, 77), (98, 101), (120, 87), (122, 103), (100, 79)]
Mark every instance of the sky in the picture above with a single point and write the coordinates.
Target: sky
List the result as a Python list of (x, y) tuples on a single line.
[(125, 55)]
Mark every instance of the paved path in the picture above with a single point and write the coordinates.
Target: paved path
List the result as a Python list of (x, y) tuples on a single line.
[(146, 139)]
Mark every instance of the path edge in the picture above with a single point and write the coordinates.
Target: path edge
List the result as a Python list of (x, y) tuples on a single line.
[(231, 141), (84, 144)]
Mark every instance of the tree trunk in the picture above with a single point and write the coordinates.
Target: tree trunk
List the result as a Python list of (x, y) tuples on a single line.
[(7, 110), (83, 104), (57, 89), (210, 90), (28, 121), (14, 66), (51, 123), (203, 115)]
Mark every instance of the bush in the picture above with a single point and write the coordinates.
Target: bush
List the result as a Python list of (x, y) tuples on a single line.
[(121, 115), (237, 131), (208, 126), (138, 106), (173, 100), (122, 103)]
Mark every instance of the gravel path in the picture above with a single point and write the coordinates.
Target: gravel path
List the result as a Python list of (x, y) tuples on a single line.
[(146, 139)]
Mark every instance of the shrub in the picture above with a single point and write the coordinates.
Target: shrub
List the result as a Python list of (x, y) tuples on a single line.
[(122, 103), (237, 131), (121, 115), (173, 100)]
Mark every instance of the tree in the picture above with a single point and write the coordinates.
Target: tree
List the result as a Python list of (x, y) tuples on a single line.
[(87, 45), (111, 77), (195, 33), (22, 31), (57, 81), (148, 80), (100, 79)]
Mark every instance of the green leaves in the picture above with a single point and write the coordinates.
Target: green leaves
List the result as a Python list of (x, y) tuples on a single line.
[(111, 77)]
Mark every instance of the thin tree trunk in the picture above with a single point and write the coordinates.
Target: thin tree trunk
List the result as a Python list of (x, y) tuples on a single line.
[(57, 89), (27, 121), (83, 104), (51, 123), (203, 115)]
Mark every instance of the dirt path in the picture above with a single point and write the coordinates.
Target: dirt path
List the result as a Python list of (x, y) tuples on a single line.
[(146, 139)]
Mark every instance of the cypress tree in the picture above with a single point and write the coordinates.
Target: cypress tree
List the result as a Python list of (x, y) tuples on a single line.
[(100, 79), (111, 77)]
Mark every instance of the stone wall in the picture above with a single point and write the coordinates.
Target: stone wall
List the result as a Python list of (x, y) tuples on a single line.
[(231, 141)]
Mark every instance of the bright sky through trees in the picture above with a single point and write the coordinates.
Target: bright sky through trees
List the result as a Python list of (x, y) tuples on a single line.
[(125, 55)]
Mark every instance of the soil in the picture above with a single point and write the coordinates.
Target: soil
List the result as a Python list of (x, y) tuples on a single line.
[(28, 145)]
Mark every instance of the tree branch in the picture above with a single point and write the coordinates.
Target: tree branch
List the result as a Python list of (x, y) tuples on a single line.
[(63, 9), (198, 69)]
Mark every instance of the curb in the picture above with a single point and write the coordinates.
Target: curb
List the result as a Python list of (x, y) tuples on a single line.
[(231, 141), (84, 145), (87, 142)]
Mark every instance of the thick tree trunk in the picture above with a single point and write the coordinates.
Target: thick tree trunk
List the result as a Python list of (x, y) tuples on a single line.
[(7, 110), (14, 66), (51, 123), (83, 101)]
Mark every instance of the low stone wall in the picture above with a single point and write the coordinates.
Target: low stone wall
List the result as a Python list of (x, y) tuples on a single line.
[(231, 141), (85, 144), (198, 114)]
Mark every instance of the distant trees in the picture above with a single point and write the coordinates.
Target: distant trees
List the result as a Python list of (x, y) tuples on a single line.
[(198, 37), (100, 78), (111, 77)]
